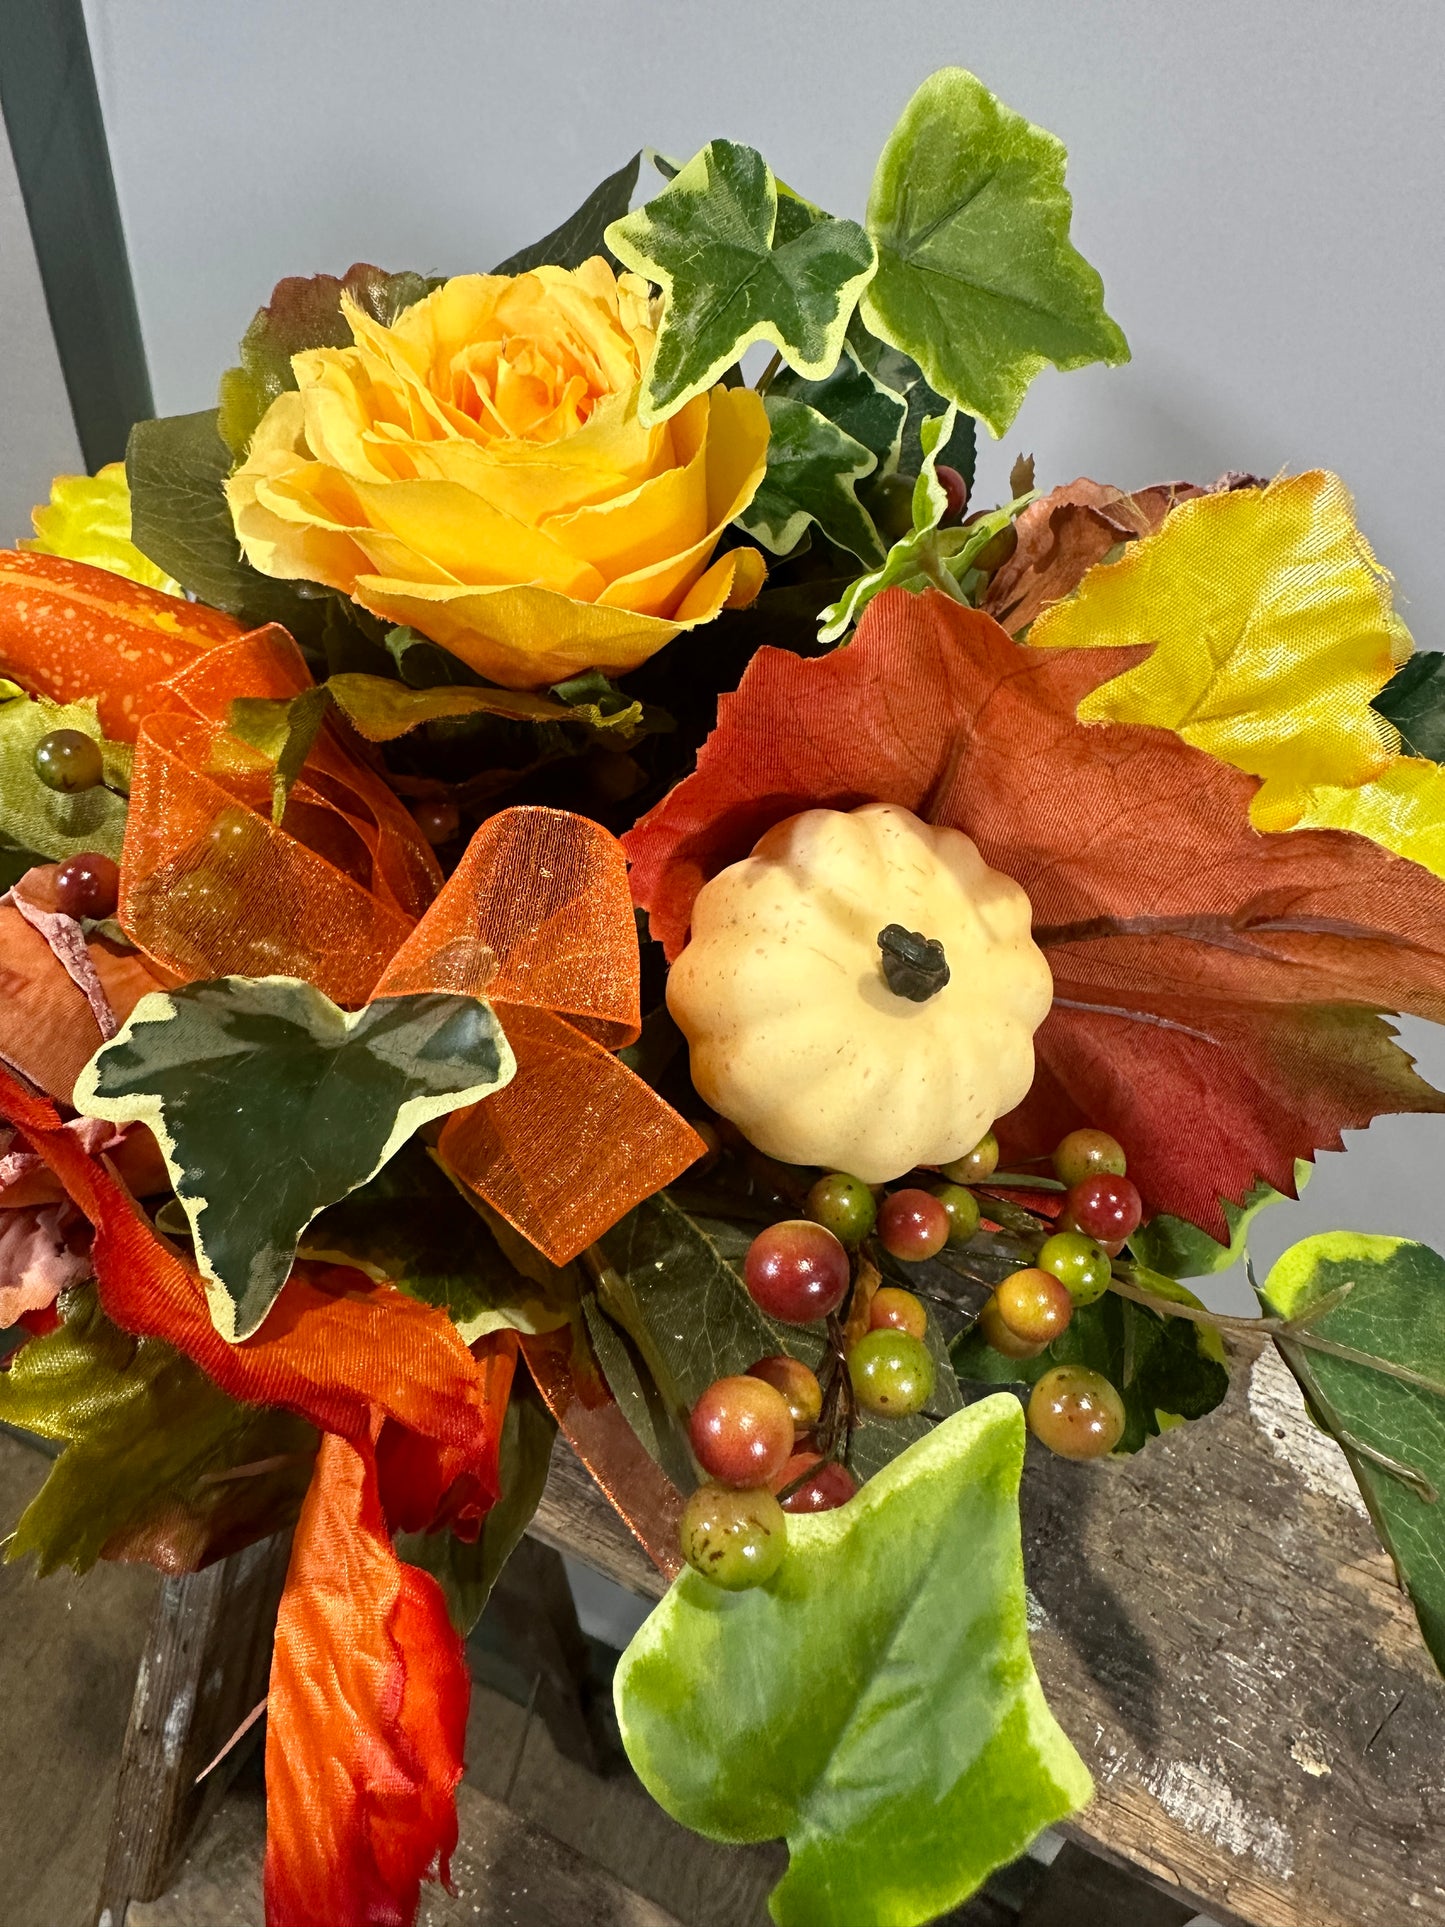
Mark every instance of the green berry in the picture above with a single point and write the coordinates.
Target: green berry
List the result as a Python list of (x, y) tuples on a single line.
[(1085, 1154), (844, 1205), (1080, 1265), (69, 761), (735, 1539), (962, 1209), (892, 1373), (1076, 1412), (975, 1165)]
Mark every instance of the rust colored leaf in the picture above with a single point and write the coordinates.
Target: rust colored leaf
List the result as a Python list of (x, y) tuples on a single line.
[(1219, 994)]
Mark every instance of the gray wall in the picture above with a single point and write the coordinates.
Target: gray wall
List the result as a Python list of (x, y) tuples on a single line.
[(1259, 181)]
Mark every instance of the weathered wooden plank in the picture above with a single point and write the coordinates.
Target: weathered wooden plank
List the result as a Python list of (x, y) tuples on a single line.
[(1222, 1636), (204, 1667)]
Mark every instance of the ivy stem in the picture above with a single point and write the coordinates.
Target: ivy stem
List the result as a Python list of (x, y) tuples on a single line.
[(1285, 1332), (931, 565), (765, 379)]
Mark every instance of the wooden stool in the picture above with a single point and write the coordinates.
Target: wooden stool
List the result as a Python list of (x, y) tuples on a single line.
[(1215, 1624)]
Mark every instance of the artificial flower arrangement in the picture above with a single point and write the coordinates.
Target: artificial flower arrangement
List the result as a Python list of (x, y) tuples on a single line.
[(1027, 891)]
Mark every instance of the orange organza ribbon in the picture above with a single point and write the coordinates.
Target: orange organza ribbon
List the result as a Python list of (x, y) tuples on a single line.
[(537, 917)]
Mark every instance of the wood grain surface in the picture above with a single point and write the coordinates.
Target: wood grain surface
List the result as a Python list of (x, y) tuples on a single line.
[(1220, 1633)]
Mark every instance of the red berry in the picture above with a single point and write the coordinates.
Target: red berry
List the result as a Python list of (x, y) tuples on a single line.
[(913, 1225), (88, 885), (1066, 1221), (824, 1490), (797, 1271), (802, 1394), (1105, 1207), (1076, 1412), (893, 1309), (742, 1431), (437, 819), (955, 488)]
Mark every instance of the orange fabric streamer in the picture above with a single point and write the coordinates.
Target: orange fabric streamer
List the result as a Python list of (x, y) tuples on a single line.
[(68, 631), (366, 1716), (538, 919)]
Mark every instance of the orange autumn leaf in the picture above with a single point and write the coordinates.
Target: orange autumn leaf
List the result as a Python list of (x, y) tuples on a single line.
[(366, 1715), (1218, 993), (68, 630)]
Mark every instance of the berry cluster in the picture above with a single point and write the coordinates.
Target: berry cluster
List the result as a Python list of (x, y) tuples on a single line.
[(774, 1440)]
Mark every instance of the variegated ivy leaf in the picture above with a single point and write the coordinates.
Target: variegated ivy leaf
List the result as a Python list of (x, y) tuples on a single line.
[(860, 404), (977, 278), (270, 1103), (813, 467), (733, 270)]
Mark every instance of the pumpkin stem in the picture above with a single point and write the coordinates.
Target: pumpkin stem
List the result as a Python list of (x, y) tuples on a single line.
[(914, 965)]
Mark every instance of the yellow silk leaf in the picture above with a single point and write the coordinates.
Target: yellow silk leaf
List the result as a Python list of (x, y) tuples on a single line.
[(1403, 810), (87, 519), (1274, 630)]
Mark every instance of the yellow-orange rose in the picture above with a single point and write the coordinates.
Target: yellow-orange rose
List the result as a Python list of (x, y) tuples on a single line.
[(478, 472)]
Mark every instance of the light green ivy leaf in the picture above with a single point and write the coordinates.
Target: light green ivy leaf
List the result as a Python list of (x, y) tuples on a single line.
[(977, 278), (909, 1749), (40, 819), (733, 272), (1384, 1297), (813, 468), (270, 1103)]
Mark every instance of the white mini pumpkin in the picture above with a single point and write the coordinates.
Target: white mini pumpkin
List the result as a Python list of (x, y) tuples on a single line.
[(796, 1031)]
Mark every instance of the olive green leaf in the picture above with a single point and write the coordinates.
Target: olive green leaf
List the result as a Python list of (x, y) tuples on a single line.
[(858, 401), (1178, 1249), (466, 1570), (812, 469), (732, 272), (149, 1442), (1165, 1369), (304, 312), (977, 279), (413, 1227), (176, 468), (1414, 701), (283, 729), (381, 710), (15, 859), (1383, 1298), (40, 819), (584, 233), (899, 1615), (270, 1103)]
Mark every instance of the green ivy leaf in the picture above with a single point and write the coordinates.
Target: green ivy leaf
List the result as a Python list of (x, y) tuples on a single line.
[(584, 233), (283, 729), (899, 1615), (901, 375), (304, 312), (269, 1103), (466, 1570), (1178, 1249), (1165, 1369), (710, 240), (813, 467), (1384, 1297), (411, 1226), (674, 1287), (176, 468), (37, 819), (145, 1433), (977, 279), (857, 401), (1414, 701)]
